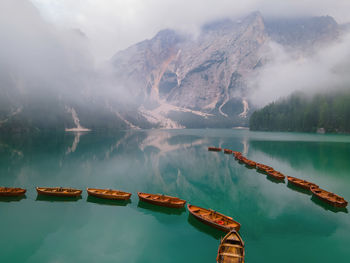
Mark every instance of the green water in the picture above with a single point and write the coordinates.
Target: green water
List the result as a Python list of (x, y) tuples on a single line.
[(279, 223)]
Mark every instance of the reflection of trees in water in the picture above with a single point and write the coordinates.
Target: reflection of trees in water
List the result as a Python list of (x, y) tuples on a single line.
[(323, 156)]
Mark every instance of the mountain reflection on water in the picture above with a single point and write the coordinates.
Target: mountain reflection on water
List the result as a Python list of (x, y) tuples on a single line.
[(174, 162)]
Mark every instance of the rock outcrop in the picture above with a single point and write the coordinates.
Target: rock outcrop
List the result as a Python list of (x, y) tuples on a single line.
[(203, 80)]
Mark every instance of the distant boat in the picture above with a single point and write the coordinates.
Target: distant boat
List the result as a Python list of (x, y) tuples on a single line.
[(275, 174), (237, 155), (228, 151), (11, 191), (246, 161), (108, 194), (300, 183), (250, 163), (263, 167), (162, 200), (213, 218), (330, 198), (81, 129), (58, 191), (231, 249), (214, 149)]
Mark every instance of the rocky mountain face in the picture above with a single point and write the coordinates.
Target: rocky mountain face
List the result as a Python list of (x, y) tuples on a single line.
[(181, 81), (304, 34), (169, 81)]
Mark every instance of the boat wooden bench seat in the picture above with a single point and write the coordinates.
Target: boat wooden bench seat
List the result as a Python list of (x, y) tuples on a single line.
[(231, 245), (230, 255)]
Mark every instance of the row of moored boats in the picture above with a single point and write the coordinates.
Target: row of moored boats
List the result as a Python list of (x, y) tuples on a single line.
[(231, 247), (328, 197)]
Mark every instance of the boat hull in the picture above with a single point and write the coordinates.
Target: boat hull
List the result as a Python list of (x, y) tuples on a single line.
[(12, 192), (125, 196), (231, 249), (214, 149), (58, 194), (161, 203), (305, 186), (342, 203), (213, 224)]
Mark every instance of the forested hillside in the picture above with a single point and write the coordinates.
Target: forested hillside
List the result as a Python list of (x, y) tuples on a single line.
[(305, 114)]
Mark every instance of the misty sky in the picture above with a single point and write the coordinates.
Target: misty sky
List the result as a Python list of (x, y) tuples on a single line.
[(112, 25)]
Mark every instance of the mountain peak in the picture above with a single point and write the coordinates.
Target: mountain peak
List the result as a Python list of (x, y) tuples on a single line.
[(303, 33)]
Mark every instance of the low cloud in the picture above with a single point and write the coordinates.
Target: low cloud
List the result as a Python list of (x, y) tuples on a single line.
[(112, 25), (326, 70)]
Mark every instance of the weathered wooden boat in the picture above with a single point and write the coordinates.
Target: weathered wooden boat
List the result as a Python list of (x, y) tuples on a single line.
[(214, 149), (275, 174), (263, 167), (330, 198), (228, 151), (300, 183), (240, 158), (58, 191), (213, 218), (249, 163), (162, 200), (231, 249), (108, 194), (236, 154), (11, 191)]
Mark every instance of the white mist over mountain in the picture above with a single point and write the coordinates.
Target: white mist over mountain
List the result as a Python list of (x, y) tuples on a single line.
[(112, 25), (49, 65), (286, 72)]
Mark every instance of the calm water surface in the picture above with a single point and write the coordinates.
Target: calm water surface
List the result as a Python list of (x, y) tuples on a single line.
[(279, 223)]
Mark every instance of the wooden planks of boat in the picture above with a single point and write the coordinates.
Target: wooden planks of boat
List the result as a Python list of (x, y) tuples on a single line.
[(11, 191), (162, 200), (300, 183), (275, 174), (231, 249), (214, 149), (240, 158), (228, 151), (263, 167), (330, 198), (213, 218), (249, 163), (108, 194), (59, 191)]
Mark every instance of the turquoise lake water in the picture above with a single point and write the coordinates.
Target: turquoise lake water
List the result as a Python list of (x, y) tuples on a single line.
[(279, 223)]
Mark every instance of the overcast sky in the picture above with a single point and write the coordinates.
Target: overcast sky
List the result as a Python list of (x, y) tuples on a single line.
[(112, 25)]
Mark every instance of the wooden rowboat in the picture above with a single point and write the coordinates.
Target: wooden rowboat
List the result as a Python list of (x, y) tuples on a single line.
[(108, 194), (228, 151), (275, 174), (214, 149), (248, 162), (240, 158), (58, 191), (300, 183), (162, 200), (231, 249), (11, 191), (330, 198), (263, 167), (213, 218), (236, 154)]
